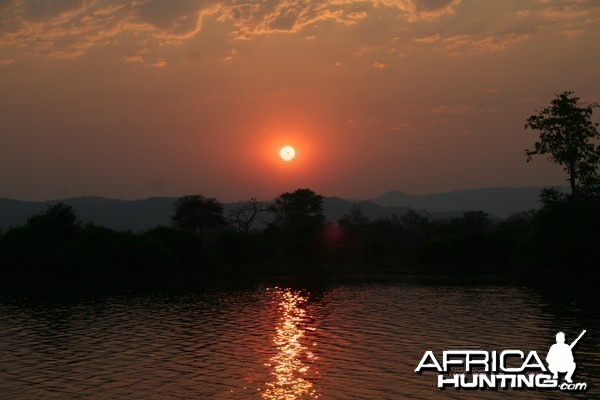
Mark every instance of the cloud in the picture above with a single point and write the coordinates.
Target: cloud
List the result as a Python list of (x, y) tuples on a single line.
[(399, 126), (450, 109), (110, 9), (488, 43), (573, 32), (472, 43), (566, 12), (422, 9), (428, 39), (159, 63), (254, 18), (70, 28), (172, 22), (62, 30), (231, 55), (43, 10), (456, 109), (134, 59), (170, 15)]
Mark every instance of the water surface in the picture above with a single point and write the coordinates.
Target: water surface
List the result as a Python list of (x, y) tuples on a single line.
[(334, 341)]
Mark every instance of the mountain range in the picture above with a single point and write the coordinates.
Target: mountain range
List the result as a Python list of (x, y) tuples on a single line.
[(139, 215)]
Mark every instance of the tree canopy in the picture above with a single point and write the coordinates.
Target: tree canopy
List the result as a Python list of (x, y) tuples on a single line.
[(199, 214), (298, 206), (570, 138), (58, 220)]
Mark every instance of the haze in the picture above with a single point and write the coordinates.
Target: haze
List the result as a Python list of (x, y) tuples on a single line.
[(132, 99)]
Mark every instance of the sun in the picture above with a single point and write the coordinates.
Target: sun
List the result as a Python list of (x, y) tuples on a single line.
[(287, 153)]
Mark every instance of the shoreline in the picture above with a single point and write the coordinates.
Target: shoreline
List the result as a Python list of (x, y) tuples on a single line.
[(197, 282)]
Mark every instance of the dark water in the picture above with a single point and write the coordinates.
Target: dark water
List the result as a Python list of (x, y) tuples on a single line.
[(342, 341)]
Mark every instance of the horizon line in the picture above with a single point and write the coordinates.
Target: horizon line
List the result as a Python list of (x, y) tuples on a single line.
[(324, 195)]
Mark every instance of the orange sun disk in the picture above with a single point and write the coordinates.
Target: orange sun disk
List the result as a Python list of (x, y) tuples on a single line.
[(287, 153)]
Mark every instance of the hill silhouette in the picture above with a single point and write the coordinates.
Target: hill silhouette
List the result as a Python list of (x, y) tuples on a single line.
[(140, 215), (500, 202)]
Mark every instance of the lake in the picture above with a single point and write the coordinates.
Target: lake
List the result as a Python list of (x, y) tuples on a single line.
[(274, 341)]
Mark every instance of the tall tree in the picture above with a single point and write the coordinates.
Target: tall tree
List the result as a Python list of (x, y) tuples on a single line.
[(570, 138), (355, 219), (302, 205), (197, 213)]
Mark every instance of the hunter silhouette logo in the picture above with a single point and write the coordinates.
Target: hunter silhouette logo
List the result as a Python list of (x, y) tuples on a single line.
[(560, 357), (506, 369)]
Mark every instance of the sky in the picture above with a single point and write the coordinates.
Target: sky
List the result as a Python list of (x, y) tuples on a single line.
[(138, 98)]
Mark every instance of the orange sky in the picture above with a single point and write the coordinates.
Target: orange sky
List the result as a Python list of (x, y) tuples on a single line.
[(132, 99)]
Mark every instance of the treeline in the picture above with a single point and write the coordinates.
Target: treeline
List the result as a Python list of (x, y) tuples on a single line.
[(55, 246)]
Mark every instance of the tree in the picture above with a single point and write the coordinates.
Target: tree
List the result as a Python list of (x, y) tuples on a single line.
[(569, 137), (551, 196), (297, 226), (302, 205), (245, 215), (475, 221), (355, 219), (199, 214), (58, 221), (414, 219)]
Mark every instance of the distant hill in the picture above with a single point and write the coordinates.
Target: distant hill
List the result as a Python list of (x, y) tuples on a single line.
[(500, 202), (117, 214), (139, 215)]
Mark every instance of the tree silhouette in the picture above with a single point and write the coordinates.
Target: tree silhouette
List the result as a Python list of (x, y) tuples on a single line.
[(414, 219), (355, 219), (567, 135), (474, 221), (199, 214), (244, 216), (302, 205), (59, 221)]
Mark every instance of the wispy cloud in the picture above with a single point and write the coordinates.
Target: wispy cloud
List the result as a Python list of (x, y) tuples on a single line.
[(134, 59), (422, 9), (450, 109), (472, 43), (428, 39), (159, 63), (564, 12), (6, 61), (70, 28)]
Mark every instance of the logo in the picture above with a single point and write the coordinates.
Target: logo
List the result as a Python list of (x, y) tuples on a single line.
[(505, 369)]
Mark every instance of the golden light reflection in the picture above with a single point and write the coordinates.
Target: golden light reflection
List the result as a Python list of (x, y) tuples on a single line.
[(292, 366)]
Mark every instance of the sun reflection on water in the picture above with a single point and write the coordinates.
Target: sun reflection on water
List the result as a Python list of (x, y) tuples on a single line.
[(293, 366)]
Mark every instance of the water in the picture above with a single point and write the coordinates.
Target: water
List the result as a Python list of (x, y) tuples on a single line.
[(341, 341)]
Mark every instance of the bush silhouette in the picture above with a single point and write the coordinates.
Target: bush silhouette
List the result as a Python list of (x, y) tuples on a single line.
[(199, 214)]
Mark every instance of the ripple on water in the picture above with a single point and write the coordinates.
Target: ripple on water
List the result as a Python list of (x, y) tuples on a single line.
[(341, 342)]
